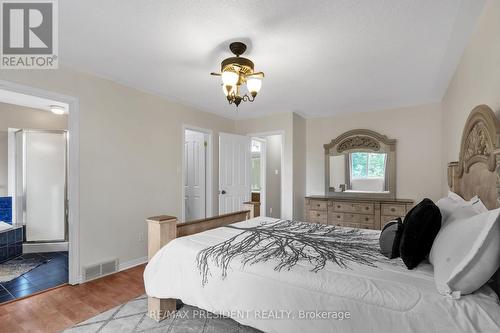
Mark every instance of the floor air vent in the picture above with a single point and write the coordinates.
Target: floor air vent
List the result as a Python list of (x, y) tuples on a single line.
[(95, 271)]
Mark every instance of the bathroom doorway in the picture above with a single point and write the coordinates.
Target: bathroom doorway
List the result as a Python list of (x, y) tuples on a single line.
[(34, 233)]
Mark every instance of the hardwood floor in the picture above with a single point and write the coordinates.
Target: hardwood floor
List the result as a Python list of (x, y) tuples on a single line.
[(58, 309)]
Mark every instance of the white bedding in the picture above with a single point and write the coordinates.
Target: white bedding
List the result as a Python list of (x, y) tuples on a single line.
[(388, 298)]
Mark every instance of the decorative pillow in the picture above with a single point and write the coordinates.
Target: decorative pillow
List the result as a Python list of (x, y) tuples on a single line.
[(390, 238), (467, 253), (421, 225)]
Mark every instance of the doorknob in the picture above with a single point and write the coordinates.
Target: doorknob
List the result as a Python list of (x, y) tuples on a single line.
[(222, 192)]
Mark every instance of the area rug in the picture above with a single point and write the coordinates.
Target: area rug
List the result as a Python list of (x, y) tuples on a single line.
[(16, 267), (131, 317)]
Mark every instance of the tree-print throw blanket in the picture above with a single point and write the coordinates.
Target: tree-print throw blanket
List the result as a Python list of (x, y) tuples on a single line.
[(289, 242)]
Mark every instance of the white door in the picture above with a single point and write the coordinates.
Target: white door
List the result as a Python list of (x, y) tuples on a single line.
[(194, 175), (45, 185), (234, 172)]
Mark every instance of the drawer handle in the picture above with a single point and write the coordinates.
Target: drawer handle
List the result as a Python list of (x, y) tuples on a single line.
[(318, 214), (338, 216), (366, 208), (366, 219), (318, 205), (393, 209), (339, 206)]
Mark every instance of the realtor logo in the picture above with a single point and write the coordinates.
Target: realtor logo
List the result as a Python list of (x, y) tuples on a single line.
[(29, 34)]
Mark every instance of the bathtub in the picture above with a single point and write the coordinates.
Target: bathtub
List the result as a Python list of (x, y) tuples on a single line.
[(11, 241)]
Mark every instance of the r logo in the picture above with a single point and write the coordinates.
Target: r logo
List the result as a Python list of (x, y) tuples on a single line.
[(27, 27)]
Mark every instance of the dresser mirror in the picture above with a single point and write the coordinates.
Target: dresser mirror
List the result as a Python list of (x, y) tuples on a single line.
[(361, 164)]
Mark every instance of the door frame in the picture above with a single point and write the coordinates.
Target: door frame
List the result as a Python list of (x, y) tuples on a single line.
[(263, 174), (208, 170), (73, 169), (282, 168)]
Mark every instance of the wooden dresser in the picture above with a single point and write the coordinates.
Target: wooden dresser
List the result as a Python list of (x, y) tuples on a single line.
[(355, 213)]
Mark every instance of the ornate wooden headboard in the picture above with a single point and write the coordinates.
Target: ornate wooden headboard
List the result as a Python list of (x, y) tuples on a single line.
[(478, 170)]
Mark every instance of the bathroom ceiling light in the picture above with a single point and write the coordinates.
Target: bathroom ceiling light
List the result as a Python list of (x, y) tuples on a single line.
[(56, 109)]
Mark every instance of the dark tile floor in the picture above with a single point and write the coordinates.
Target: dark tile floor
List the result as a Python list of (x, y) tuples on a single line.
[(45, 276)]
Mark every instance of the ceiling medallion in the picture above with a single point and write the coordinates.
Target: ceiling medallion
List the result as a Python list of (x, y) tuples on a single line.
[(238, 71)]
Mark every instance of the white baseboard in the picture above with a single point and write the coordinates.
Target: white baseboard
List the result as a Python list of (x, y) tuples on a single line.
[(45, 247), (131, 263)]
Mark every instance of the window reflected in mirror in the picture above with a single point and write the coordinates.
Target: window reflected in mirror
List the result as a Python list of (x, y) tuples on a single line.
[(358, 172)]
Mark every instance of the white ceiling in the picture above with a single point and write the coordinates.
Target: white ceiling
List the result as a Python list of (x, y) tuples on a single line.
[(320, 57)]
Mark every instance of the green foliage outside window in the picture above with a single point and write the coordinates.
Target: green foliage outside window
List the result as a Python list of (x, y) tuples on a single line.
[(367, 165)]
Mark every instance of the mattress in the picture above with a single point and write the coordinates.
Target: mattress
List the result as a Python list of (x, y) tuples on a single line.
[(357, 298)]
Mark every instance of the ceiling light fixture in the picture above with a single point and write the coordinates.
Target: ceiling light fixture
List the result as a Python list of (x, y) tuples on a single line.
[(56, 109), (238, 71)]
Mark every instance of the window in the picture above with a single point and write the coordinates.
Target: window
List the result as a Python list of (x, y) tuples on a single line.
[(367, 165), (256, 151), (255, 173), (256, 146)]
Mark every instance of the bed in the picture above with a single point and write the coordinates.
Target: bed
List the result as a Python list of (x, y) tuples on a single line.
[(355, 290)]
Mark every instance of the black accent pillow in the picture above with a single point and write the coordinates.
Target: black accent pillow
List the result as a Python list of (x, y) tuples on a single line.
[(390, 238), (421, 226)]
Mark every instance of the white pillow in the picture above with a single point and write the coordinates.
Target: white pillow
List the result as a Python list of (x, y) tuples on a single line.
[(453, 210), (475, 201), (478, 205), (467, 253), (456, 197), (450, 211)]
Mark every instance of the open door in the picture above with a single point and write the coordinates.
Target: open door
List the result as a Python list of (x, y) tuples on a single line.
[(234, 172)]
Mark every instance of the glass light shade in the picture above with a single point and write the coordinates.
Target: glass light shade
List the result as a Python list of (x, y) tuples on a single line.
[(225, 90), (229, 78), (254, 84)]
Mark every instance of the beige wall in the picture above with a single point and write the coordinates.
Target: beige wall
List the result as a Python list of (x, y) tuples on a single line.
[(476, 81), (418, 134), (13, 116), (130, 158)]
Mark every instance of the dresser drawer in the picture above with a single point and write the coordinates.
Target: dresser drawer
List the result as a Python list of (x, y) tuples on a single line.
[(364, 208), (348, 219), (317, 204), (317, 214), (336, 218), (341, 207), (364, 219), (353, 207), (393, 209), (341, 217)]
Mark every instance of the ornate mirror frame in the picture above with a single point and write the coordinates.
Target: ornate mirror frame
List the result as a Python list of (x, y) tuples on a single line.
[(362, 140)]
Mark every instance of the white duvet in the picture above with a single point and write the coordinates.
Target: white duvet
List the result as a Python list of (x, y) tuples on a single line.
[(388, 298)]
